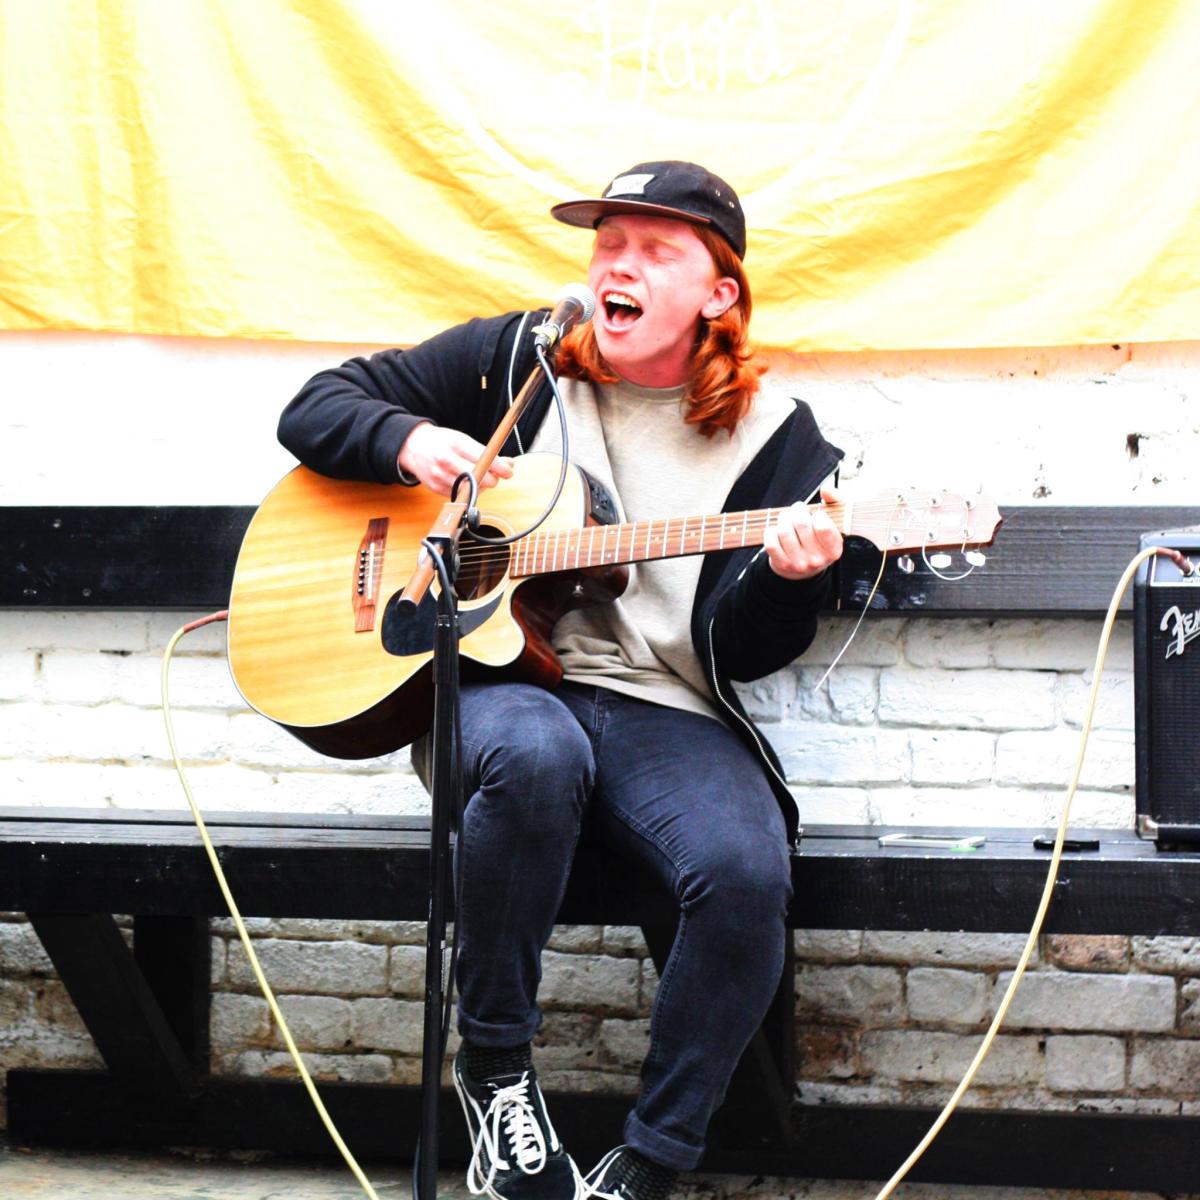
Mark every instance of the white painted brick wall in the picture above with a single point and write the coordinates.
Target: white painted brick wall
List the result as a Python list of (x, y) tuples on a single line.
[(1162, 1065), (950, 757), (334, 968), (833, 755), (981, 950), (1085, 1064), (833, 806), (920, 1056), (624, 1043), (1167, 954), (346, 1068), (924, 721), (948, 644), (866, 995), (1046, 759), (319, 1022), (941, 995), (1105, 1003), (967, 699), (387, 1024), (589, 982), (854, 695)]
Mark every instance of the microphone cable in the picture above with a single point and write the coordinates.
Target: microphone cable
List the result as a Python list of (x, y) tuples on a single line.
[(544, 363)]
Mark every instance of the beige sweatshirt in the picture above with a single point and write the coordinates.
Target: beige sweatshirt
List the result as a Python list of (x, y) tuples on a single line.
[(635, 442)]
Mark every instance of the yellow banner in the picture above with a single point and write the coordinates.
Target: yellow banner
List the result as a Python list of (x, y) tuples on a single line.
[(936, 174)]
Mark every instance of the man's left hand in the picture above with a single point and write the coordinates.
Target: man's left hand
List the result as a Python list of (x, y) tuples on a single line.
[(801, 544)]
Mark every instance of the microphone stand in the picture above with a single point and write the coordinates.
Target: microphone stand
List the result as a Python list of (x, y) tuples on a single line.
[(447, 780)]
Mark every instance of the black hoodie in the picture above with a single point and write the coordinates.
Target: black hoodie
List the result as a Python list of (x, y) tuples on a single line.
[(351, 421)]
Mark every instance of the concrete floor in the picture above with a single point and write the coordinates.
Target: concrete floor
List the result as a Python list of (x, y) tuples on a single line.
[(61, 1174)]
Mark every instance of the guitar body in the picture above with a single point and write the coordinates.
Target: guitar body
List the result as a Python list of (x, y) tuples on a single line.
[(318, 642)]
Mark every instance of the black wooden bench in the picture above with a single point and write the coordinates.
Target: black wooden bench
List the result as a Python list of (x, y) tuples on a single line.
[(147, 1008)]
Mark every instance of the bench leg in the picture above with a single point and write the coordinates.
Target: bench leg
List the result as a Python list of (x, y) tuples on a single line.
[(756, 1112), (118, 1003), (175, 957)]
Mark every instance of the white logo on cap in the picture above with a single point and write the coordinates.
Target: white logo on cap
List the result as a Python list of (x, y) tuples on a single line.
[(628, 185)]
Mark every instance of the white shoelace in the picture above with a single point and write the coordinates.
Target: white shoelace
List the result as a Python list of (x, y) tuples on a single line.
[(591, 1185), (510, 1111)]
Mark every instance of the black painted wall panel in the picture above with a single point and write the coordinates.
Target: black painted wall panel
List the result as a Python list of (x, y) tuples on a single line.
[(1057, 561)]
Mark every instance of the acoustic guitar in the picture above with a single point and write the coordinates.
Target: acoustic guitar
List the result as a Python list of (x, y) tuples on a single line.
[(320, 644)]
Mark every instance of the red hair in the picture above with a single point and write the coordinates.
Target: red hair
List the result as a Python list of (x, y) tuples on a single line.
[(724, 377)]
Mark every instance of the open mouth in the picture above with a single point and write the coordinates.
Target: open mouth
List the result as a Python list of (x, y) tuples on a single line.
[(622, 309)]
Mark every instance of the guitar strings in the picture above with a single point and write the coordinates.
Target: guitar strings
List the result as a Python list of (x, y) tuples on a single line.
[(756, 522)]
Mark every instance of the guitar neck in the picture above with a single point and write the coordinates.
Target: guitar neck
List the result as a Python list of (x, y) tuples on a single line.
[(640, 541)]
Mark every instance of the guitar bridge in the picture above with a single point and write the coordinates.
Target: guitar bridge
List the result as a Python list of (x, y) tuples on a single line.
[(368, 572)]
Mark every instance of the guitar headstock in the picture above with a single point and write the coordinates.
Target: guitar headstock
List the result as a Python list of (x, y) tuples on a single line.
[(922, 520)]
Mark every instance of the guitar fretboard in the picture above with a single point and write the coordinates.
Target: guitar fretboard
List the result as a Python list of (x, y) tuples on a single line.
[(639, 541)]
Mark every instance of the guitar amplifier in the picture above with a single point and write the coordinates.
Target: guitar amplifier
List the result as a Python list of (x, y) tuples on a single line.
[(1166, 680)]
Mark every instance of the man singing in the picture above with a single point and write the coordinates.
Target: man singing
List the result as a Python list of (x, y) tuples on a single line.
[(645, 743)]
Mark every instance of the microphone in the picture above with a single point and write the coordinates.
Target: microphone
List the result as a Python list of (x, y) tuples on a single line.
[(575, 303)]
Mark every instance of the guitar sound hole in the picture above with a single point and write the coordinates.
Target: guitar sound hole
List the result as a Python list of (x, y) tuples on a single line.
[(481, 568)]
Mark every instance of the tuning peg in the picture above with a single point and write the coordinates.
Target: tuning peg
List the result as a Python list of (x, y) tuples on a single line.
[(975, 557), (906, 564), (940, 561)]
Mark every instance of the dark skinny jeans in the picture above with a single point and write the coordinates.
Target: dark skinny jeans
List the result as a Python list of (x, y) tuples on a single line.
[(684, 797)]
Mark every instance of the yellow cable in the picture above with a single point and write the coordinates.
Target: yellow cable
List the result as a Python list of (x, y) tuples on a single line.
[(364, 1182), (1047, 891)]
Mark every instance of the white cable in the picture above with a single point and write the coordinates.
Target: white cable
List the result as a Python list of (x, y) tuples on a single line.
[(866, 608), (512, 358)]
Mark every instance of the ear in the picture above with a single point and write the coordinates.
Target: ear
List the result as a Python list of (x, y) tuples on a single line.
[(722, 298)]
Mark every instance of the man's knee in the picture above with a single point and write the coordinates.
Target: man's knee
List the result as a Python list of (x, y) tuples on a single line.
[(543, 761), (532, 755), (744, 878)]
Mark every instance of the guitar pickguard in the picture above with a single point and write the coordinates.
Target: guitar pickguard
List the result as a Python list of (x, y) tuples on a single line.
[(407, 630)]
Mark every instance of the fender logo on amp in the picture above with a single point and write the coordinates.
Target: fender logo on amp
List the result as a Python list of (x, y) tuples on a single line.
[(1184, 627)]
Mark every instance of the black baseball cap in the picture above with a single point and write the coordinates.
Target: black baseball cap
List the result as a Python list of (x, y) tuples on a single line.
[(682, 190)]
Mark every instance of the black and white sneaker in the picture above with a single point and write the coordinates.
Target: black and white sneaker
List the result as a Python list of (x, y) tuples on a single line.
[(624, 1174), (516, 1155)]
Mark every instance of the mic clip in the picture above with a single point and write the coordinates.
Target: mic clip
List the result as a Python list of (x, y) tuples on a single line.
[(547, 334)]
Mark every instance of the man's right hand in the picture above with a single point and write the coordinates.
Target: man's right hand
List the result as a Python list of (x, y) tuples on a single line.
[(437, 456)]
